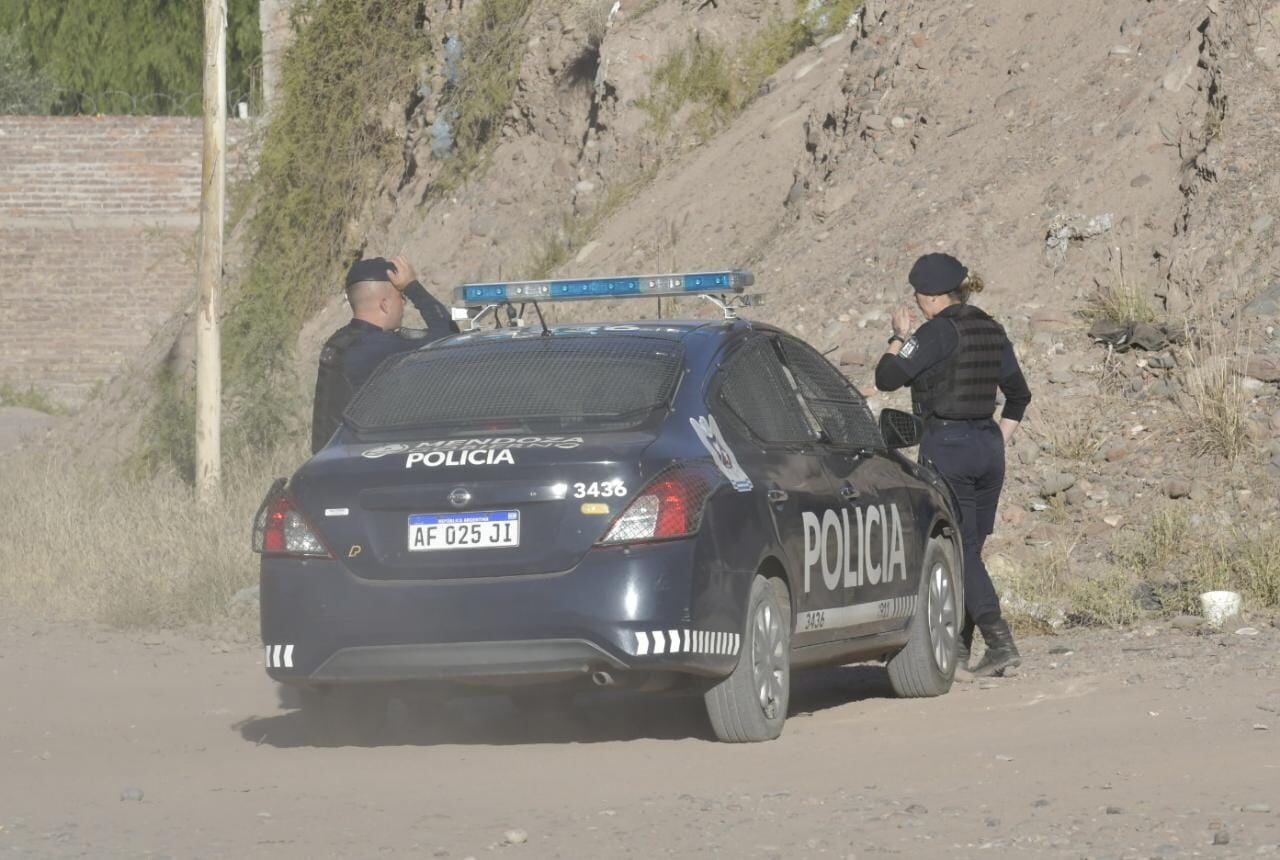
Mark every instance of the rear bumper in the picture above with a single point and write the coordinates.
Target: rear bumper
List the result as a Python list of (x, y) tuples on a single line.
[(662, 607), (474, 660)]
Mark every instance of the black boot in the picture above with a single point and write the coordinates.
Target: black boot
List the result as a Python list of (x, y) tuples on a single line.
[(964, 646), (1001, 652)]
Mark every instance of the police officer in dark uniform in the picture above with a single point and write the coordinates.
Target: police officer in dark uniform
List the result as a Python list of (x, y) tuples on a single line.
[(376, 290), (954, 363)]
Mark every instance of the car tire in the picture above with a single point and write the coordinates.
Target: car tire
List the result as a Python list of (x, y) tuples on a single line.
[(927, 665), (343, 715), (751, 704)]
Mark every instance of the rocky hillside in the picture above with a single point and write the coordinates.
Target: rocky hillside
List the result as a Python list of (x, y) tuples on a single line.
[(1099, 162)]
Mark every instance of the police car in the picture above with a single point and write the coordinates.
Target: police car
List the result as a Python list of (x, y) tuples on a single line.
[(706, 504)]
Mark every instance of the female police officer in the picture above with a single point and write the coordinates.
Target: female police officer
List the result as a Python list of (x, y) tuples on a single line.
[(954, 363)]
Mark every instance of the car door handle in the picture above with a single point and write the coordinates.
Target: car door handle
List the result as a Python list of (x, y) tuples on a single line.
[(849, 493), (776, 495)]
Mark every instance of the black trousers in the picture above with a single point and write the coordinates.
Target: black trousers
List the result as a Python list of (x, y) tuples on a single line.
[(970, 454)]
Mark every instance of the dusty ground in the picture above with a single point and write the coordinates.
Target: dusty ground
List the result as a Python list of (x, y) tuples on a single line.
[(1149, 744)]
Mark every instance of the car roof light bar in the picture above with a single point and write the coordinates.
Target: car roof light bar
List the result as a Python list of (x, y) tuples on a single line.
[(488, 296), (574, 289)]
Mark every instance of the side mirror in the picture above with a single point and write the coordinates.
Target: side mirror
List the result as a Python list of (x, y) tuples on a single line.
[(900, 429)]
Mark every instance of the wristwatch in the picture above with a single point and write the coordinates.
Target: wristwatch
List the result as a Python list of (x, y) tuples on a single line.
[(895, 336)]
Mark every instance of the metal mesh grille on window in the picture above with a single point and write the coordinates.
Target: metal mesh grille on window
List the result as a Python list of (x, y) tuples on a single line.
[(759, 394), (564, 381), (839, 409), (900, 426)]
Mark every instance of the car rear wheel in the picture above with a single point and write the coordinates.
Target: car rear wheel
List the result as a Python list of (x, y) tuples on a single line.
[(751, 704), (927, 665)]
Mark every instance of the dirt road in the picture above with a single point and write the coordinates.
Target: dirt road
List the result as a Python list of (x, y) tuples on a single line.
[(1128, 746)]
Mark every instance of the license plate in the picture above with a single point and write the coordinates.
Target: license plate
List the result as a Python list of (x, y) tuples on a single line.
[(473, 530)]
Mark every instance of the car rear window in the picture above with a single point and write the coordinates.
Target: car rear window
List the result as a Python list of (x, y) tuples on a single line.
[(592, 382)]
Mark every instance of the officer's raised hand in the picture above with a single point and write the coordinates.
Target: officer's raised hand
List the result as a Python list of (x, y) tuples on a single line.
[(401, 273), (901, 320)]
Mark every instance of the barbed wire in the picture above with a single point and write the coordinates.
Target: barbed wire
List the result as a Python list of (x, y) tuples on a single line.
[(240, 104)]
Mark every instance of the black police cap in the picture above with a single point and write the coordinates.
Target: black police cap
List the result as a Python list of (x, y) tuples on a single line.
[(936, 274), (373, 269)]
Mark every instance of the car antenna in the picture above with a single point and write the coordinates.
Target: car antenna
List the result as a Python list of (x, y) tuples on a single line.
[(833, 349), (546, 332)]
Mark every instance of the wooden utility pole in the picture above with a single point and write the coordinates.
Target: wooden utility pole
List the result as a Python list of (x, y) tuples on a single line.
[(212, 183)]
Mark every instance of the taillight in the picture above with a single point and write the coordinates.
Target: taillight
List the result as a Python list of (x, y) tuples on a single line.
[(280, 529), (670, 506)]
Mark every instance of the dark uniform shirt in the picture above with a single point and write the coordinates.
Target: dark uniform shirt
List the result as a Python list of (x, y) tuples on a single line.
[(374, 345), (367, 347), (933, 343)]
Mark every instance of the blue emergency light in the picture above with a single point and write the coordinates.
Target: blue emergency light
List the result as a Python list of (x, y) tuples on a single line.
[(627, 286)]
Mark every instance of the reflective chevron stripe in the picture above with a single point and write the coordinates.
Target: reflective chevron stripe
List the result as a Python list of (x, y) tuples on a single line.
[(278, 656), (686, 641)]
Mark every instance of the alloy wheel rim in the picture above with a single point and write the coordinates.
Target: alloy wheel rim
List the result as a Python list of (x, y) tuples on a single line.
[(943, 617), (768, 659)]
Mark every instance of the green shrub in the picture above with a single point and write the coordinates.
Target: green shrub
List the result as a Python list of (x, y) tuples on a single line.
[(24, 89), (168, 430), (824, 18), (128, 56), (493, 41), (29, 398), (321, 158), (719, 83), (699, 74), (320, 161)]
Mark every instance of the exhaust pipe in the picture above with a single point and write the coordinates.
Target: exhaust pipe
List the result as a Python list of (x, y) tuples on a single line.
[(602, 679)]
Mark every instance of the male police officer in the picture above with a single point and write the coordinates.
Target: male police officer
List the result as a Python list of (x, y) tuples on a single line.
[(954, 363), (376, 290)]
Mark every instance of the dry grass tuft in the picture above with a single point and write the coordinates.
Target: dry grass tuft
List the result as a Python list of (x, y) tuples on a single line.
[(1049, 592), (593, 20), (1115, 298), (1121, 302), (1215, 404), (1071, 436), (1182, 557), (1161, 570), (79, 545)]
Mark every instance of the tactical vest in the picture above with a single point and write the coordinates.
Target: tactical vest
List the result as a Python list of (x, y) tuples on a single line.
[(964, 385), (333, 389)]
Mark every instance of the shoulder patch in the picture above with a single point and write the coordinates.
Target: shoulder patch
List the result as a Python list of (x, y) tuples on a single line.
[(909, 348)]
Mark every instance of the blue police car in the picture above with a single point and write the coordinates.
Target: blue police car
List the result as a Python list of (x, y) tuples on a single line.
[(649, 505)]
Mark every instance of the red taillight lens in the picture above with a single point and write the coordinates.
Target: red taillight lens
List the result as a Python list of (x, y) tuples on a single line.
[(280, 529), (669, 507), (273, 539)]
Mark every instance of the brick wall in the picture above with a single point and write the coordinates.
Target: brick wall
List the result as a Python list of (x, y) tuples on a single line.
[(98, 221)]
